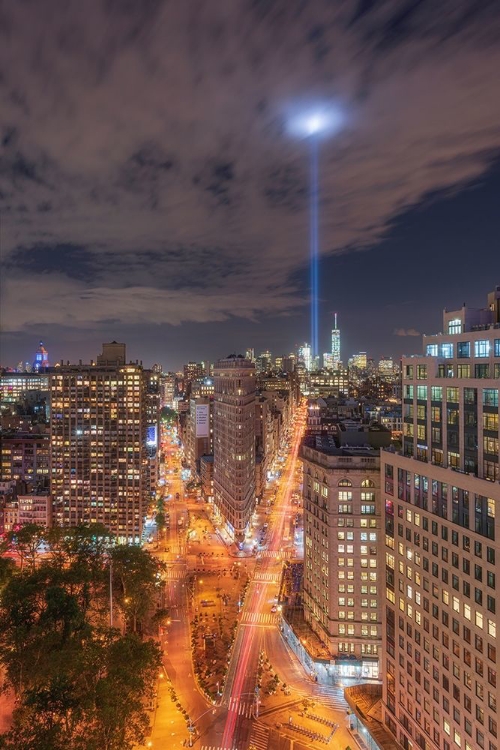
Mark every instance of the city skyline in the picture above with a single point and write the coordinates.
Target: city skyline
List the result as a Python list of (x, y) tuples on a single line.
[(187, 224)]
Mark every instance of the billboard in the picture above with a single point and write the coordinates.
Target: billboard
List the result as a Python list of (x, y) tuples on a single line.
[(151, 436), (202, 420)]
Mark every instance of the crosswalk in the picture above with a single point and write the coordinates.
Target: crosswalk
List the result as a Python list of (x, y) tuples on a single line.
[(269, 553), (174, 574), (259, 737), (331, 696), (217, 747), (242, 708), (258, 618), (266, 577)]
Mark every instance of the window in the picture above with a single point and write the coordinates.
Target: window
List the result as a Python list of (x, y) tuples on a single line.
[(432, 350), (446, 350), (422, 392), (490, 421), (490, 397), (345, 483), (463, 349), (454, 326), (345, 495), (482, 348), (497, 347), (470, 395), (482, 371)]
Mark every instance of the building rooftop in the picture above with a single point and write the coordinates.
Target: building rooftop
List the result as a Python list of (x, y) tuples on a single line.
[(325, 443)]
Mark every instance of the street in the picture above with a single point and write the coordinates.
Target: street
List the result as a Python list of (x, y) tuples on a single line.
[(244, 716)]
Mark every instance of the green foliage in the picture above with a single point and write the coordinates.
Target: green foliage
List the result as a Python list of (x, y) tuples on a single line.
[(137, 576), (168, 415), (79, 685), (26, 542)]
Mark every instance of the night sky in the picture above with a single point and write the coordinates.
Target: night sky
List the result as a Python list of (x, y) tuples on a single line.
[(151, 193)]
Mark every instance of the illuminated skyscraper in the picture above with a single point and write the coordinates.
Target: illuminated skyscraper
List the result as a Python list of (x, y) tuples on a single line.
[(234, 443), (99, 444), (335, 344), (304, 355), (328, 361), (41, 357)]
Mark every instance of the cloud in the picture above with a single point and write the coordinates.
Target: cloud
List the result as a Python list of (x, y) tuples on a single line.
[(406, 332), (147, 143)]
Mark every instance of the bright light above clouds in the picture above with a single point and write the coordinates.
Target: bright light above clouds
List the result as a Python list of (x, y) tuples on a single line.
[(320, 122)]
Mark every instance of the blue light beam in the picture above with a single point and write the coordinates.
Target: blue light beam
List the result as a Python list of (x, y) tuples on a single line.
[(314, 245)]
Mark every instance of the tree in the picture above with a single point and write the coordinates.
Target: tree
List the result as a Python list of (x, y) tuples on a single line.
[(7, 568), (137, 578), (168, 415), (79, 684), (161, 522), (131, 669), (26, 542)]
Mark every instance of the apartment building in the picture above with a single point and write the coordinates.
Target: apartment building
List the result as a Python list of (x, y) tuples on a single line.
[(99, 455), (342, 537), (442, 501), (234, 443)]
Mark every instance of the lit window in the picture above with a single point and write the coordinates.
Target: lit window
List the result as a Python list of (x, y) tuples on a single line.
[(482, 348), (454, 326)]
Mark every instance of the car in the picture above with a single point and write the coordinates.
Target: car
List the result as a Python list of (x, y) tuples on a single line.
[(274, 608)]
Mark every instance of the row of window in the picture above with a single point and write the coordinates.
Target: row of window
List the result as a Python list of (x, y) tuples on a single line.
[(481, 348), (437, 393)]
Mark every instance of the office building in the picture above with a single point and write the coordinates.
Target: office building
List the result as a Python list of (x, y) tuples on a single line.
[(21, 392), (41, 358), (442, 509), (386, 367), (335, 344), (359, 361), (198, 432), (328, 361), (342, 536), (192, 371), (304, 355), (234, 443), (99, 432), (168, 389)]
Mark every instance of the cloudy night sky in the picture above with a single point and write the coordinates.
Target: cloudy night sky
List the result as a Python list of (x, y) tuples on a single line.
[(150, 191)]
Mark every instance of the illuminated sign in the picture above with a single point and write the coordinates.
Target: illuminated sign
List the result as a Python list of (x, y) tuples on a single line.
[(151, 437)]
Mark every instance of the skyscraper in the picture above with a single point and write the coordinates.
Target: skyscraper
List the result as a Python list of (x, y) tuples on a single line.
[(99, 432), (304, 355), (442, 499), (234, 443), (335, 344), (41, 357)]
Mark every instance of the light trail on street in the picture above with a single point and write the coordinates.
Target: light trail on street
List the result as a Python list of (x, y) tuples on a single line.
[(243, 668)]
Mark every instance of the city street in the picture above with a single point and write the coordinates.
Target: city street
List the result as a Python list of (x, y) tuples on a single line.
[(242, 718)]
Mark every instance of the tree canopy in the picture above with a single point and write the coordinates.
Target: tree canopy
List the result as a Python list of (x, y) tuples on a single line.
[(79, 684)]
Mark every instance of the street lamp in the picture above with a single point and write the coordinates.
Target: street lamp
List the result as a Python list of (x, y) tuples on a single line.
[(191, 727), (313, 126)]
